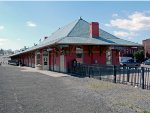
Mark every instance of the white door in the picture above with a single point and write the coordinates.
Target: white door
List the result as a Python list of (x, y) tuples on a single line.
[(45, 60), (62, 65)]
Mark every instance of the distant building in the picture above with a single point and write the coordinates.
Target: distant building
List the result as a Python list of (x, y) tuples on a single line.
[(146, 44), (4, 59), (4, 55)]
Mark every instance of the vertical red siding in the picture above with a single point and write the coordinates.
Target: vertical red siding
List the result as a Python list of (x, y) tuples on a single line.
[(33, 59), (58, 59), (103, 57), (89, 56), (28, 55), (26, 59), (86, 55), (22, 59), (50, 59), (115, 57), (94, 56), (69, 57), (41, 59)]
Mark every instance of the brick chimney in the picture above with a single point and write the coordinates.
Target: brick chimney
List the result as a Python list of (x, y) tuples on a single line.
[(94, 29)]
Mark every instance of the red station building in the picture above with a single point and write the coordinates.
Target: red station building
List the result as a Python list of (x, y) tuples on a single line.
[(80, 40)]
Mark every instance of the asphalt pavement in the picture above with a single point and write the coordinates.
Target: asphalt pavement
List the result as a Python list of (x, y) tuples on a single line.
[(32, 92)]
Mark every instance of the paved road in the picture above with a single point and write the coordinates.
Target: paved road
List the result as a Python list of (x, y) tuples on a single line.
[(31, 92)]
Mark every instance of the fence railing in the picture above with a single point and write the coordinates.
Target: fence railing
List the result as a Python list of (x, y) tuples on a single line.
[(136, 76)]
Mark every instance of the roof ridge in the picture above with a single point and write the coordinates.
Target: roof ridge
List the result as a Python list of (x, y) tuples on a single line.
[(80, 19), (62, 27), (61, 38), (73, 27)]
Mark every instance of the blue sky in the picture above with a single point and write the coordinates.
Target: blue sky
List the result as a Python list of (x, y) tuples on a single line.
[(25, 23)]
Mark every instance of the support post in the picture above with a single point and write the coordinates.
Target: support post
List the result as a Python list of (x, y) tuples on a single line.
[(142, 76), (128, 74), (114, 81)]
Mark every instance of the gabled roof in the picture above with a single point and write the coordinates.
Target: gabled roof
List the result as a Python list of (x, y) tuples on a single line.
[(77, 32), (81, 31)]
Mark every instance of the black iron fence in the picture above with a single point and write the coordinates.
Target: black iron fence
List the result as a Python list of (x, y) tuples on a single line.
[(136, 76)]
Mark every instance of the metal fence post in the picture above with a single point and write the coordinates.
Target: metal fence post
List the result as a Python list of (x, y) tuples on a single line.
[(89, 71), (128, 74), (114, 81), (79, 69), (142, 76)]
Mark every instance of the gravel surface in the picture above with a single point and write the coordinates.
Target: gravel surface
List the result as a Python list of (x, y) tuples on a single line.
[(32, 92)]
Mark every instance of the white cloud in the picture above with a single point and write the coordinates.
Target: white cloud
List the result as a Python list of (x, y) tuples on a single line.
[(121, 33), (30, 24), (18, 39), (136, 22), (115, 15), (6, 43), (3, 41), (130, 35), (1, 28), (108, 25)]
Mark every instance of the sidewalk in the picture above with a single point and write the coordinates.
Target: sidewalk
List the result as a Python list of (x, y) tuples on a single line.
[(45, 72)]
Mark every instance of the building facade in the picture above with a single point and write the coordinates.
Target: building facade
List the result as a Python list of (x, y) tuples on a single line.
[(81, 41), (146, 44)]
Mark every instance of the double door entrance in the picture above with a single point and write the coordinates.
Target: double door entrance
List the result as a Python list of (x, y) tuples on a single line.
[(45, 60), (56, 63)]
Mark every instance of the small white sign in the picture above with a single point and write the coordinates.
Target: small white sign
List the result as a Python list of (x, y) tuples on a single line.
[(49, 49)]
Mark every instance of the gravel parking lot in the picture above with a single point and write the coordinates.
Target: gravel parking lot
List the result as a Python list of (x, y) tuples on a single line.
[(33, 92)]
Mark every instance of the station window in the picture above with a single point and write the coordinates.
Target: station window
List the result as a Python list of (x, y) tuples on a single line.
[(79, 55)]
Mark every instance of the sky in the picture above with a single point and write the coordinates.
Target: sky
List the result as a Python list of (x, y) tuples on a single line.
[(25, 23)]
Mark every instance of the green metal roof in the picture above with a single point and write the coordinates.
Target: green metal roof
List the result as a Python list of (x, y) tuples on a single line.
[(77, 32), (82, 29), (82, 41)]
